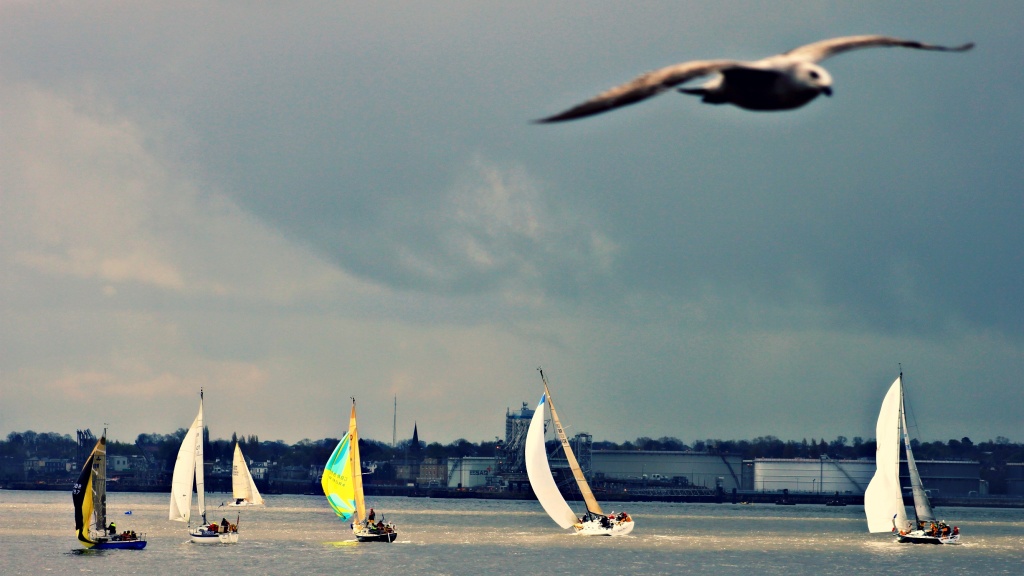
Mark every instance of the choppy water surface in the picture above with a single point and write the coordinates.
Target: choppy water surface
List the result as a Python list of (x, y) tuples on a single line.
[(299, 535)]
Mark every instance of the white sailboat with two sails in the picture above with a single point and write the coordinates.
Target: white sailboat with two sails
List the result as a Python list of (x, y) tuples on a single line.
[(189, 466), (883, 499), (594, 521)]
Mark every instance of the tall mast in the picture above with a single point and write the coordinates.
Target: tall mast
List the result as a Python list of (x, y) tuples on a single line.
[(922, 507), (574, 465), (394, 423), (99, 485), (357, 469), (200, 471)]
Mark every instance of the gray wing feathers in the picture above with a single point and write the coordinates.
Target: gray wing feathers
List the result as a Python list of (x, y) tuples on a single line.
[(820, 50), (642, 87)]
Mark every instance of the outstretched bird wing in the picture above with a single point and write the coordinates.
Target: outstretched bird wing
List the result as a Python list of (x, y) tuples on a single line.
[(817, 51), (642, 87)]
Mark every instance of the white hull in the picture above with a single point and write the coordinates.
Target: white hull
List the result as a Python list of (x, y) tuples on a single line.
[(595, 528), (200, 536), (242, 505)]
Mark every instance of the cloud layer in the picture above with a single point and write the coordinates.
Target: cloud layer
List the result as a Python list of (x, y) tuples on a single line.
[(287, 207)]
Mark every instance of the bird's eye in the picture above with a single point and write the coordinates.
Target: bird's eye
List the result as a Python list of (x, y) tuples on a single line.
[(814, 74)]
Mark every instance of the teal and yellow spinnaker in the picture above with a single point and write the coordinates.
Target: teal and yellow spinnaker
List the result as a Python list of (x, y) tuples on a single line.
[(337, 481), (343, 480)]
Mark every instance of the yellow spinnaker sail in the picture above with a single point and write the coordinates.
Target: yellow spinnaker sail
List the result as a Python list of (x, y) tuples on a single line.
[(82, 496), (342, 479)]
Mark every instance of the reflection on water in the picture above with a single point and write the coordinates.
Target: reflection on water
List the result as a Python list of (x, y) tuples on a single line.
[(342, 544), (299, 534)]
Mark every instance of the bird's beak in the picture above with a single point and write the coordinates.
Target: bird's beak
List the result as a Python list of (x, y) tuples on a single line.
[(827, 90)]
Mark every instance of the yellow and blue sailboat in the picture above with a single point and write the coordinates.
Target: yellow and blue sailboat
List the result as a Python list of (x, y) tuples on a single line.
[(343, 485), (90, 498)]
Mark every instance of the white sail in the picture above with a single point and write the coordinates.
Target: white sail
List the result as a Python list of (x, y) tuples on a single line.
[(188, 465), (922, 507), (242, 485), (883, 499), (539, 472)]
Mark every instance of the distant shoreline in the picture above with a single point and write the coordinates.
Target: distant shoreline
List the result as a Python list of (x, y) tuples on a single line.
[(739, 497)]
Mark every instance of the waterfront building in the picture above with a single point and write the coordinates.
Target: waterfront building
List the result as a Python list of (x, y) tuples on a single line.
[(810, 475), (471, 472), (950, 478), (1015, 478), (667, 468)]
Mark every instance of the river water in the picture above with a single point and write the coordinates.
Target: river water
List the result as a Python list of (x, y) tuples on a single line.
[(299, 535)]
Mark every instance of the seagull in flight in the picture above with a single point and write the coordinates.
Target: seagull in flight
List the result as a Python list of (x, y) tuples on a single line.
[(781, 82)]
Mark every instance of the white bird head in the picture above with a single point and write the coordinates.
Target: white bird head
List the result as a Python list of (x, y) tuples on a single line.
[(810, 75)]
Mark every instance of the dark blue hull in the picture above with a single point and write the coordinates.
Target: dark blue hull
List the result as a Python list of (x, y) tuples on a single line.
[(120, 545)]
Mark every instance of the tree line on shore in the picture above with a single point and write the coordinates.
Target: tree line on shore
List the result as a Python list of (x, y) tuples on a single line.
[(160, 450)]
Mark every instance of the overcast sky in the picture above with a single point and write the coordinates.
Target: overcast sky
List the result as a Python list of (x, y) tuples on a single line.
[(291, 204)]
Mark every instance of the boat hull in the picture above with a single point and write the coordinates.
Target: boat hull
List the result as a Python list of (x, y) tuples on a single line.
[(209, 537), (119, 545), (595, 528), (919, 537), (375, 537)]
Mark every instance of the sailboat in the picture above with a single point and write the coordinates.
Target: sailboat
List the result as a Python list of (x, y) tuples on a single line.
[(343, 485), (594, 521), (187, 467), (90, 498), (243, 488), (883, 499)]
